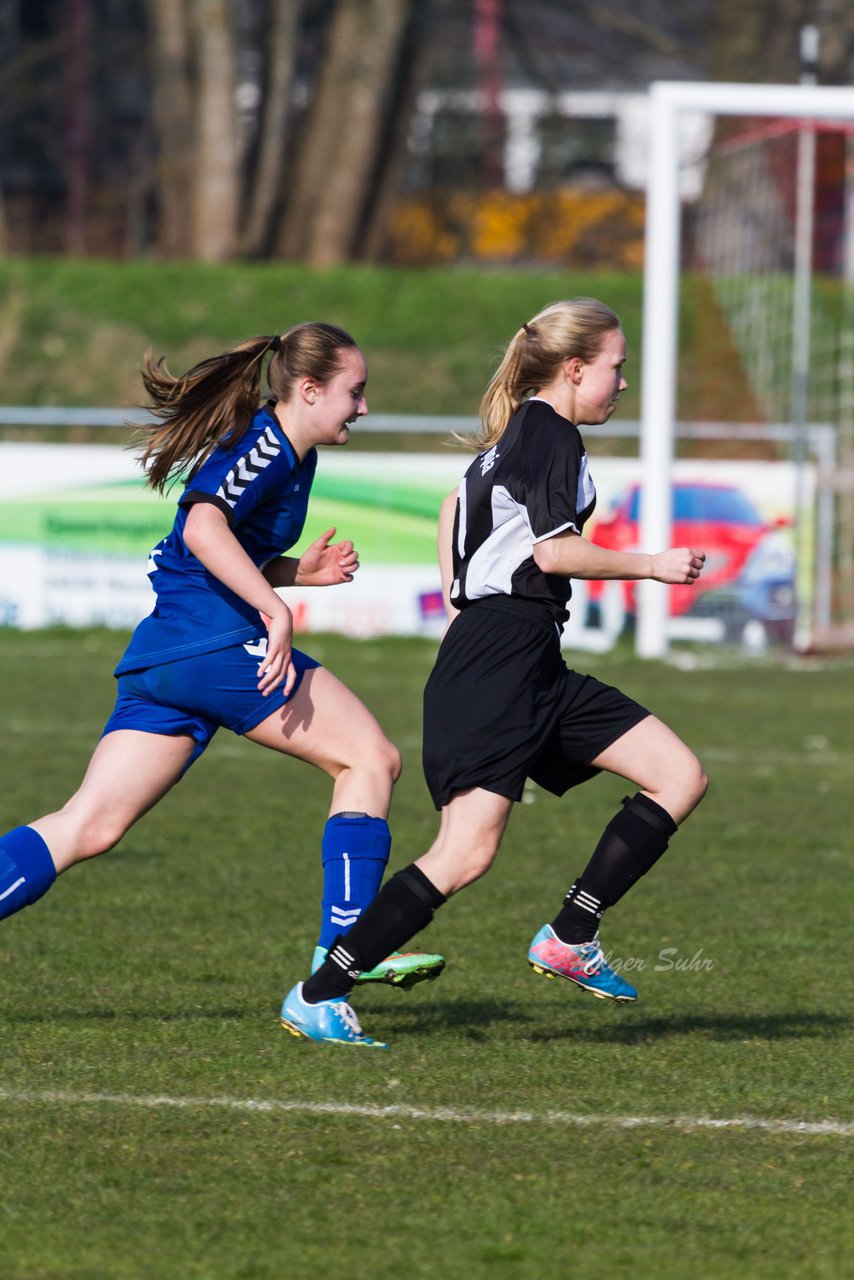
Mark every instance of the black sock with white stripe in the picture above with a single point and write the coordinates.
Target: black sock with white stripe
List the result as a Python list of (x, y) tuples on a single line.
[(578, 918), (403, 907), (631, 844)]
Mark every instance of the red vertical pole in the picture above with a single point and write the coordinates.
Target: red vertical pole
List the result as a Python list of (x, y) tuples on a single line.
[(487, 56)]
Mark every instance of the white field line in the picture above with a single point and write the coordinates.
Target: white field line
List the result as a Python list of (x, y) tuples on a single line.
[(837, 1128)]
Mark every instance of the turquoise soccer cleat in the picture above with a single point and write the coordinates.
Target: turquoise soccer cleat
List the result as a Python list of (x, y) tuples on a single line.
[(403, 970), (328, 1021), (583, 963)]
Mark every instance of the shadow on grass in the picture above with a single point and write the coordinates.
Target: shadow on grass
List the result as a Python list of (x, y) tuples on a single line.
[(475, 1018), (84, 1015), (792, 1025)]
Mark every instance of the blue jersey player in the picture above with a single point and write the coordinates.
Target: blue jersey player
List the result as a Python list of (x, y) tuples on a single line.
[(216, 649)]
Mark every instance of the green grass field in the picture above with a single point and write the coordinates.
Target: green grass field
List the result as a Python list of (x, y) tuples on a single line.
[(157, 1124)]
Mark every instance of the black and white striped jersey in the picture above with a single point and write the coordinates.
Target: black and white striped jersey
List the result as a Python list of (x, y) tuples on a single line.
[(534, 483)]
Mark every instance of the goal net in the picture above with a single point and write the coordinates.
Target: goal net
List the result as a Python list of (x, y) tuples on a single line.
[(765, 259)]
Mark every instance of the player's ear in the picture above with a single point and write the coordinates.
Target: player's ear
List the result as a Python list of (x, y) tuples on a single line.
[(574, 370), (308, 389)]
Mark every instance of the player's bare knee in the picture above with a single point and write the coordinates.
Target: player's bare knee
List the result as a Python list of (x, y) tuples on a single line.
[(383, 762), (380, 756), (99, 837), (689, 785), (686, 784), (478, 859), (695, 783), (393, 761)]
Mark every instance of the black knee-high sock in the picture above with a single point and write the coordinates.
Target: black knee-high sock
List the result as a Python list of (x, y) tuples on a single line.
[(403, 907), (631, 844)]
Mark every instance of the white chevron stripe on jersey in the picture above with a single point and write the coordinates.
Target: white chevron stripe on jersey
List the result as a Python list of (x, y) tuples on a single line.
[(266, 445), (345, 917), (246, 469), (258, 460)]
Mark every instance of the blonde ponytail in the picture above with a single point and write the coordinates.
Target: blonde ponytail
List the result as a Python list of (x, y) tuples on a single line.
[(562, 329)]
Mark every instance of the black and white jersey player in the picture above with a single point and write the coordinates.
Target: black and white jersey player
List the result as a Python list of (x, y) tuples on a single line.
[(513, 497)]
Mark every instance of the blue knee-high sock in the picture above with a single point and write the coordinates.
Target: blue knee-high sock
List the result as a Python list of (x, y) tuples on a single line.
[(26, 870), (355, 853)]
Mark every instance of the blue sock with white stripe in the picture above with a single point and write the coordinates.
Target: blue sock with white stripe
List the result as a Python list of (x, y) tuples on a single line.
[(26, 870), (355, 854)]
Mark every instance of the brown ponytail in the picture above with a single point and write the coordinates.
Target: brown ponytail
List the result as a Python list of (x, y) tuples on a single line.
[(216, 399)]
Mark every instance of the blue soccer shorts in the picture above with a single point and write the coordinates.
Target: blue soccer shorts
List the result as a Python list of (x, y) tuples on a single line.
[(198, 695)]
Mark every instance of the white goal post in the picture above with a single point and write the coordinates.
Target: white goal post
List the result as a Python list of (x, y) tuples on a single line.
[(668, 101)]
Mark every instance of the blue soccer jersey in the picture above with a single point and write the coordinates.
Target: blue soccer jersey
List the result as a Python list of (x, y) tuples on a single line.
[(263, 488)]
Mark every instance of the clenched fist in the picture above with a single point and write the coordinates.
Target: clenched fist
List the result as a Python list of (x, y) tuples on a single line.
[(678, 566)]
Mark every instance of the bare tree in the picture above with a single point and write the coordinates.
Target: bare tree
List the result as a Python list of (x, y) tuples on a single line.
[(317, 145), (340, 149), (413, 63), (216, 190), (264, 185), (173, 121), (198, 170), (369, 70)]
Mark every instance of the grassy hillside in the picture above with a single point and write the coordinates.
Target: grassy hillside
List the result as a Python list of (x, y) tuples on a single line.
[(73, 332)]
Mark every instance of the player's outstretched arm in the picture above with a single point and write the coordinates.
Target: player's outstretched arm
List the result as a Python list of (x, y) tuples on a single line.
[(571, 556)]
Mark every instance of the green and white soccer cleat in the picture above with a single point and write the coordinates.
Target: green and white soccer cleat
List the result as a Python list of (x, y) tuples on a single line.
[(403, 970)]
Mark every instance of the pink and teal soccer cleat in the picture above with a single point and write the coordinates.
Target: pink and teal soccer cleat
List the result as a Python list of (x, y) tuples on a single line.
[(328, 1021), (402, 969), (583, 963)]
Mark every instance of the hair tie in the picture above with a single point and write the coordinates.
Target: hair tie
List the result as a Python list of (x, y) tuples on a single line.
[(527, 330), (275, 343)]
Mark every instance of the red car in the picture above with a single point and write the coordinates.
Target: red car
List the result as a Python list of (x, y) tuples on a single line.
[(718, 519)]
